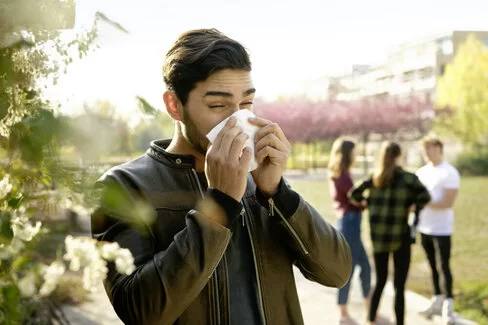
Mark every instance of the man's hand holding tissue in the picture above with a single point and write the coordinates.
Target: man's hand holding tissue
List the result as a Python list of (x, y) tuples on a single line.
[(225, 167), (272, 150)]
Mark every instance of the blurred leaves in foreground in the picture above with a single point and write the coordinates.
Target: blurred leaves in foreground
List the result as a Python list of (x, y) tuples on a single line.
[(37, 183)]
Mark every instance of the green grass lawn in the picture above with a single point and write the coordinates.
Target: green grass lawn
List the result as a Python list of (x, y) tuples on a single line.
[(470, 244)]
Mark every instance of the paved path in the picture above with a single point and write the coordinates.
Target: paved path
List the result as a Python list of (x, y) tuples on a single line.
[(318, 306)]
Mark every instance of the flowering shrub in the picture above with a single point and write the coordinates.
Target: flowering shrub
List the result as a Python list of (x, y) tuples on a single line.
[(27, 279), (32, 175)]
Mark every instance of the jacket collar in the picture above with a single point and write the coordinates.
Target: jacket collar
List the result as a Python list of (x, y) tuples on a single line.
[(157, 150)]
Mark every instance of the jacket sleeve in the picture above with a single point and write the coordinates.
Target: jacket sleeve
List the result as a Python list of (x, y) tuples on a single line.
[(322, 254), (357, 192), (165, 282)]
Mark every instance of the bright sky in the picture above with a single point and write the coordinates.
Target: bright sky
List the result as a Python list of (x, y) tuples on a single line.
[(290, 42)]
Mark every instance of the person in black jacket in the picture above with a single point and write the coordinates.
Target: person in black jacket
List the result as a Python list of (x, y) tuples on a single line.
[(223, 241)]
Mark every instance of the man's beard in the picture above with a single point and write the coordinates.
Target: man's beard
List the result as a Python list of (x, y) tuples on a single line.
[(195, 138)]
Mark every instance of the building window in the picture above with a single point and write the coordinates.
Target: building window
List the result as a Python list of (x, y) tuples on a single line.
[(426, 73), (442, 70), (386, 79), (447, 47), (383, 95), (408, 75)]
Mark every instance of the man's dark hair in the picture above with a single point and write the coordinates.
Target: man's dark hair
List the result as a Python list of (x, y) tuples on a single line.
[(197, 54)]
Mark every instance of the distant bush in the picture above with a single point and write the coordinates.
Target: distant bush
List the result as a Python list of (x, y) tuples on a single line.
[(473, 162)]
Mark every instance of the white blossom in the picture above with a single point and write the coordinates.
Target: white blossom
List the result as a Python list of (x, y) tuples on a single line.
[(110, 251), (27, 285), (23, 229), (51, 276), (81, 252), (94, 274), (4, 253), (15, 114), (5, 186), (124, 262), (16, 245), (84, 253)]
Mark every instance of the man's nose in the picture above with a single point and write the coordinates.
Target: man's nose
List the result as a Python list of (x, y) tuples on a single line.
[(236, 108), (233, 110)]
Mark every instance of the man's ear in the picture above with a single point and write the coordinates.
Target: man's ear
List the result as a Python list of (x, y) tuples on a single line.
[(172, 104)]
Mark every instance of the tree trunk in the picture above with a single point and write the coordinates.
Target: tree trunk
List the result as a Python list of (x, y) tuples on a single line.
[(309, 155), (293, 152), (315, 153)]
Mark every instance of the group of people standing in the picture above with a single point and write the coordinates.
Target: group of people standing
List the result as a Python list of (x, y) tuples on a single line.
[(391, 195)]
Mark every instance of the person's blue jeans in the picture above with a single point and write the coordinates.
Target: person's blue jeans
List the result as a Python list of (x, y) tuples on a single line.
[(350, 226)]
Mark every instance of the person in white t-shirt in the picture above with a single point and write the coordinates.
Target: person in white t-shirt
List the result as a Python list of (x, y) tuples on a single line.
[(436, 224)]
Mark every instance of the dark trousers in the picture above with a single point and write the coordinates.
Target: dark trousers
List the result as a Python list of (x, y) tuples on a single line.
[(401, 262), (434, 247)]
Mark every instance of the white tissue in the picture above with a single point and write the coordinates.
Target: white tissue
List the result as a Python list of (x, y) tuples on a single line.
[(242, 121)]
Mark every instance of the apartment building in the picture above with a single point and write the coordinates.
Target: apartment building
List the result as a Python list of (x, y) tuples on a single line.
[(412, 68)]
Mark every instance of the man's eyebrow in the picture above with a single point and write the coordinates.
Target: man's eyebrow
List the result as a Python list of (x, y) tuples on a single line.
[(228, 95), (249, 92), (218, 93)]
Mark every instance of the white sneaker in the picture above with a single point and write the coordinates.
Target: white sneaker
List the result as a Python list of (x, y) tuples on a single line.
[(448, 312), (435, 307)]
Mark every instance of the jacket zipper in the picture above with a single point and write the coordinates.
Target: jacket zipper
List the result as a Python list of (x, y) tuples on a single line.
[(226, 292), (216, 294), (251, 239), (272, 208), (215, 282), (243, 211)]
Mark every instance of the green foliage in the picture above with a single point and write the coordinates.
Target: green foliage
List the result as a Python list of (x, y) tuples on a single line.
[(474, 302), (129, 207), (36, 14), (6, 233), (145, 107), (32, 54), (473, 162), (309, 155), (35, 137), (9, 313), (463, 93), (155, 125)]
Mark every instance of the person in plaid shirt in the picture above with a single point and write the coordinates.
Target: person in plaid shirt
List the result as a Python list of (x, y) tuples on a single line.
[(390, 194)]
